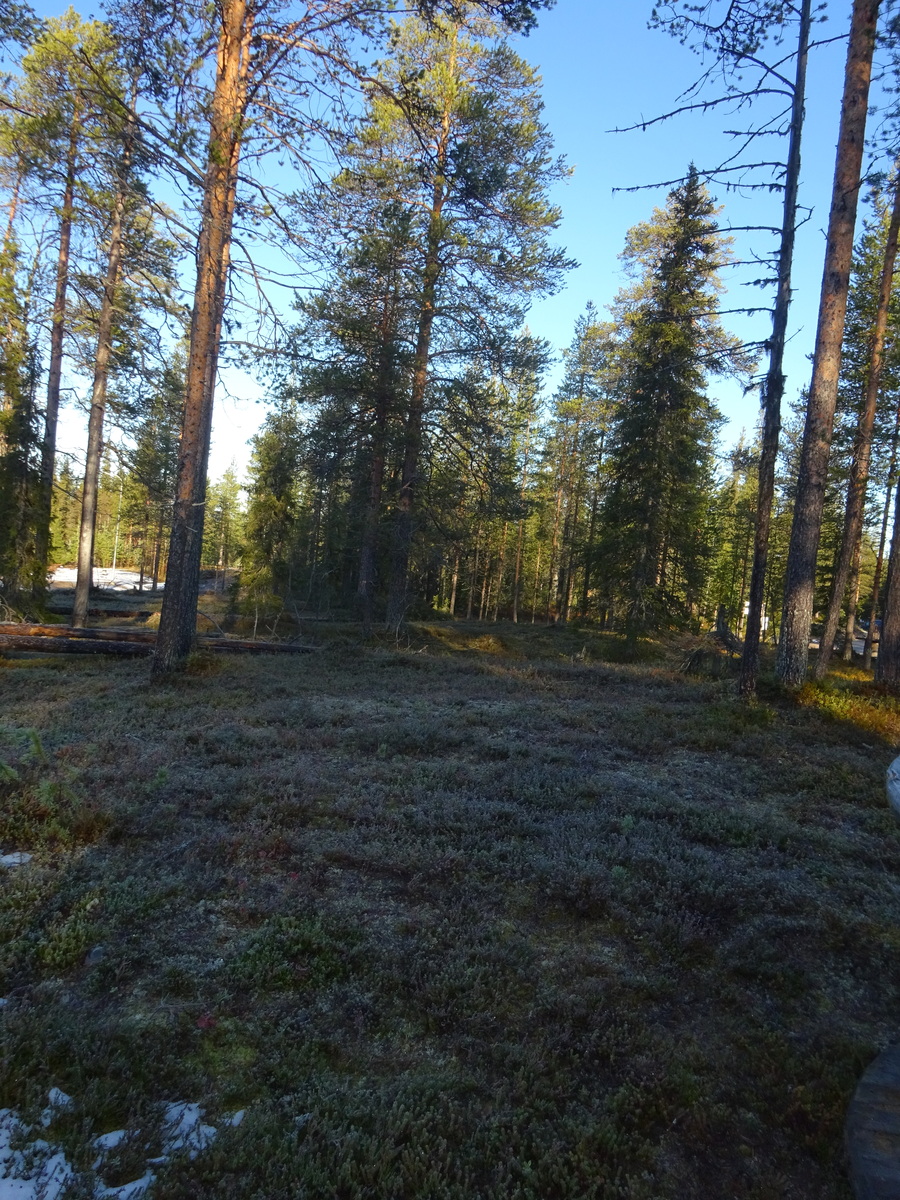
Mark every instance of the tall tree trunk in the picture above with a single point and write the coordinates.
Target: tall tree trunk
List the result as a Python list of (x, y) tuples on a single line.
[(145, 533), (862, 446), (852, 603), (57, 334), (745, 559), (485, 579), (520, 531), (398, 598), (9, 253), (157, 551), (178, 618), (537, 575), (774, 385), (887, 668), (592, 530), (793, 651), (384, 394), (13, 207), (98, 397), (500, 568), (517, 575), (553, 576), (570, 537), (882, 542), (474, 576), (366, 589), (453, 585)]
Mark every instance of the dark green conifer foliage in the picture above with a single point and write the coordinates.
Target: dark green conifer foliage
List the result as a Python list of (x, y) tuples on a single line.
[(21, 572), (224, 528), (153, 467), (576, 452), (657, 511), (272, 528), (735, 521), (66, 514)]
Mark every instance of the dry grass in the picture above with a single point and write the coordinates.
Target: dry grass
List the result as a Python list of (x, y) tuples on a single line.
[(486, 914)]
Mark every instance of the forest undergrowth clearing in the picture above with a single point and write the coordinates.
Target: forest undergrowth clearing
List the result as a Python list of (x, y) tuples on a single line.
[(482, 913)]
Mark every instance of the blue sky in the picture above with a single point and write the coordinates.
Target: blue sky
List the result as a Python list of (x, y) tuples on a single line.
[(602, 68)]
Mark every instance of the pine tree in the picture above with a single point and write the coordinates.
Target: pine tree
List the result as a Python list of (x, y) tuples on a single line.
[(797, 611), (268, 63), (867, 352), (453, 139), (58, 111), (353, 353)]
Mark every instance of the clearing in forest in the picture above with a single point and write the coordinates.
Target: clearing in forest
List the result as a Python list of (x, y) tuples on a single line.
[(489, 914)]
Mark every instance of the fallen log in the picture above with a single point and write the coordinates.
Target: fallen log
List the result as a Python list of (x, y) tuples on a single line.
[(723, 634), (66, 631), (60, 639), (72, 645), (138, 614), (228, 645), (708, 659)]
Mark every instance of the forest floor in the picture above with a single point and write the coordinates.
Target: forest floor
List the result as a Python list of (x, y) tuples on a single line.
[(485, 914)]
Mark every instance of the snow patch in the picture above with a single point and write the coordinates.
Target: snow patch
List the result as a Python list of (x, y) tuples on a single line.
[(40, 1171), (184, 1130), (109, 1141), (126, 1191), (36, 1172), (103, 577), (18, 858)]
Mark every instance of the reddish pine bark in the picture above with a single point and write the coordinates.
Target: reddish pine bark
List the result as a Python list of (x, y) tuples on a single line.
[(797, 612), (774, 385), (178, 617), (862, 450), (98, 402), (57, 335)]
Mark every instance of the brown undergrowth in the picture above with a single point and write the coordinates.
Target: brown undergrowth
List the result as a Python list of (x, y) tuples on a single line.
[(485, 912)]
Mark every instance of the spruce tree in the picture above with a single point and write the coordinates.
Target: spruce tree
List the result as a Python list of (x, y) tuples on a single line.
[(270, 559), (657, 511), (22, 570), (576, 450)]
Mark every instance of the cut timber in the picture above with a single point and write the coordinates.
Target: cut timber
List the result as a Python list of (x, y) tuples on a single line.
[(60, 639), (230, 644)]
